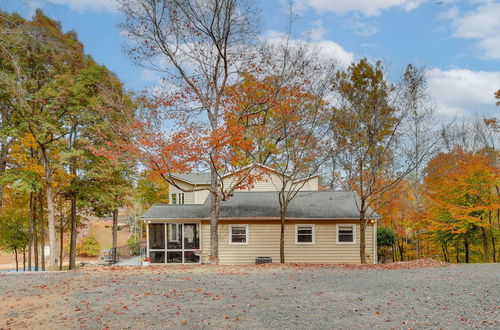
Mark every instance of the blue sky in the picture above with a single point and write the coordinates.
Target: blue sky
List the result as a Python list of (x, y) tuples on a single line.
[(457, 41)]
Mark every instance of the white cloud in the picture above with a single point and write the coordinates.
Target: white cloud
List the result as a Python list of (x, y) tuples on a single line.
[(462, 92), (326, 49), (110, 5), (451, 13), (481, 24), (367, 7), (359, 26), (317, 31)]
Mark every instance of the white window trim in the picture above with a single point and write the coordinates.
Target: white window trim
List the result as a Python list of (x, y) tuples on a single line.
[(353, 232), (313, 227), (231, 231)]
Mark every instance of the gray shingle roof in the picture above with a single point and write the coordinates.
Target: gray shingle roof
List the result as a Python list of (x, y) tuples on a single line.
[(194, 178), (306, 205)]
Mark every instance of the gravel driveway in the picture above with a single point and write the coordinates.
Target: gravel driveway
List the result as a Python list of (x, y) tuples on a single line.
[(464, 296)]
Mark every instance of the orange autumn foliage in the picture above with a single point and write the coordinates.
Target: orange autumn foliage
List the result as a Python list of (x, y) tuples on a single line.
[(460, 191)]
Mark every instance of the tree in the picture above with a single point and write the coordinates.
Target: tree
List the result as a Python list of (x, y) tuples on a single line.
[(461, 189), (201, 47), (286, 123), (373, 130), (48, 61), (12, 45), (14, 230)]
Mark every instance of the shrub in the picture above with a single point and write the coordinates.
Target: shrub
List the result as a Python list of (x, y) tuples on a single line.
[(88, 247), (134, 244), (385, 236)]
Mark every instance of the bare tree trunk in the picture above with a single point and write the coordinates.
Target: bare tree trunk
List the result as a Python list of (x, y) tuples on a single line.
[(73, 216), (401, 249), (494, 250), (485, 245), (445, 254), (31, 232), (61, 243), (466, 247), (214, 219), (282, 238), (115, 233), (51, 225), (29, 255), (4, 150), (362, 231), (35, 230), (42, 227), (418, 247), (51, 221), (17, 261), (74, 233), (24, 259), (493, 247)]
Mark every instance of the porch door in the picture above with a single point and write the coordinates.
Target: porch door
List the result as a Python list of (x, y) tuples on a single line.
[(182, 242)]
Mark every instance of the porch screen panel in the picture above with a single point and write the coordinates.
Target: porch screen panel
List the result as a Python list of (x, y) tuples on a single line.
[(156, 236), (191, 237), (174, 236)]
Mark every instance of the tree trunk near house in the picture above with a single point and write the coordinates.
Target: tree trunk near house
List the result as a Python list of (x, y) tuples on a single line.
[(42, 228), (283, 209), (74, 233), (115, 233), (282, 239), (214, 218), (362, 233)]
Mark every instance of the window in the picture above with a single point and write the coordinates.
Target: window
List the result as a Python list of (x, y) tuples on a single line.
[(238, 234), (304, 234), (177, 198), (346, 234)]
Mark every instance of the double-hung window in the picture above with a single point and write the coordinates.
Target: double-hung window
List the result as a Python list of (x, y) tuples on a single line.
[(304, 234), (346, 234), (238, 234), (177, 198)]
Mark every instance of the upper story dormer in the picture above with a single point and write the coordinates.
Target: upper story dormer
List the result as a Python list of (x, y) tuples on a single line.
[(195, 185)]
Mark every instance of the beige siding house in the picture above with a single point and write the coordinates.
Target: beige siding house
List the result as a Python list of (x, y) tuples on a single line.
[(321, 226)]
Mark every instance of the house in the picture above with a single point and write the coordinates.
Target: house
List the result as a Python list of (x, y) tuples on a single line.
[(321, 226)]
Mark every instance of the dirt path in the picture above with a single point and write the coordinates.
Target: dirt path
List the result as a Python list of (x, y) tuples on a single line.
[(304, 297)]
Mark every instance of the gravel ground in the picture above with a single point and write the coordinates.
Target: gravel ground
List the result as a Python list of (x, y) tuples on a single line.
[(319, 297)]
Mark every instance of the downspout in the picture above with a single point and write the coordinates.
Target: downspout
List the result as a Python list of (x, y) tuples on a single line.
[(147, 238)]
